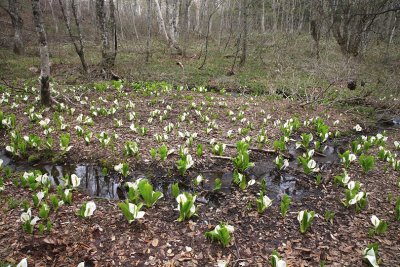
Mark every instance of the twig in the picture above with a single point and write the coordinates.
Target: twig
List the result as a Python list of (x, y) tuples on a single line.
[(318, 96), (220, 157)]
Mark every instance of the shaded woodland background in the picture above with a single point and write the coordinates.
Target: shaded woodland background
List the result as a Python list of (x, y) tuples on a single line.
[(293, 47)]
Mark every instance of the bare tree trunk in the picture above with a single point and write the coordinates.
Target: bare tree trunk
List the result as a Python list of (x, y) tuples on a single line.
[(53, 15), (133, 9), (79, 48), (14, 10), (148, 41), (44, 54), (185, 24), (161, 22), (172, 10), (243, 56), (108, 54)]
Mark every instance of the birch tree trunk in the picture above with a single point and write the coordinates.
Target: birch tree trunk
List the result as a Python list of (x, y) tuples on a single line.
[(79, 48), (160, 20), (108, 54), (14, 10), (172, 10), (44, 54)]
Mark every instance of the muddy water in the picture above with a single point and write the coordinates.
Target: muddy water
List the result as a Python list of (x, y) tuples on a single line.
[(95, 183)]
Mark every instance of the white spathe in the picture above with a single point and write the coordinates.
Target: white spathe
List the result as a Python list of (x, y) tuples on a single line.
[(369, 254), (375, 221), (75, 180), (89, 209), (23, 263)]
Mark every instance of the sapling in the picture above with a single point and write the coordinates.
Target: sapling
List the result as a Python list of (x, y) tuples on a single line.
[(222, 233)]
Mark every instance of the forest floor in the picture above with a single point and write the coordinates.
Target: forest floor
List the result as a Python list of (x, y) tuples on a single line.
[(141, 111)]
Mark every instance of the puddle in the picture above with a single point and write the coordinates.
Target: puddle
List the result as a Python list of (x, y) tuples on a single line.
[(388, 123), (95, 183)]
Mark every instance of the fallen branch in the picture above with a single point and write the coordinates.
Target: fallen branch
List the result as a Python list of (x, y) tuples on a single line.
[(220, 157)]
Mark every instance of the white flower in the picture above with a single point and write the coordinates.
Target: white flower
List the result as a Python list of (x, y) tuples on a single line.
[(369, 254), (182, 199), (279, 262), (134, 185), (27, 217), (133, 209), (199, 179), (75, 180), (23, 263), (222, 263), (375, 221), (118, 167), (189, 161), (351, 185), (267, 201), (300, 216), (356, 198), (352, 157), (90, 208), (357, 128), (81, 264), (251, 182), (1, 162), (285, 163), (346, 178), (40, 196), (311, 164)]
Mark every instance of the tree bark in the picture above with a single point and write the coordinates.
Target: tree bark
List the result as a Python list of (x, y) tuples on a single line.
[(14, 10), (161, 22), (148, 41), (243, 56), (108, 54), (173, 18), (44, 54), (79, 48)]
